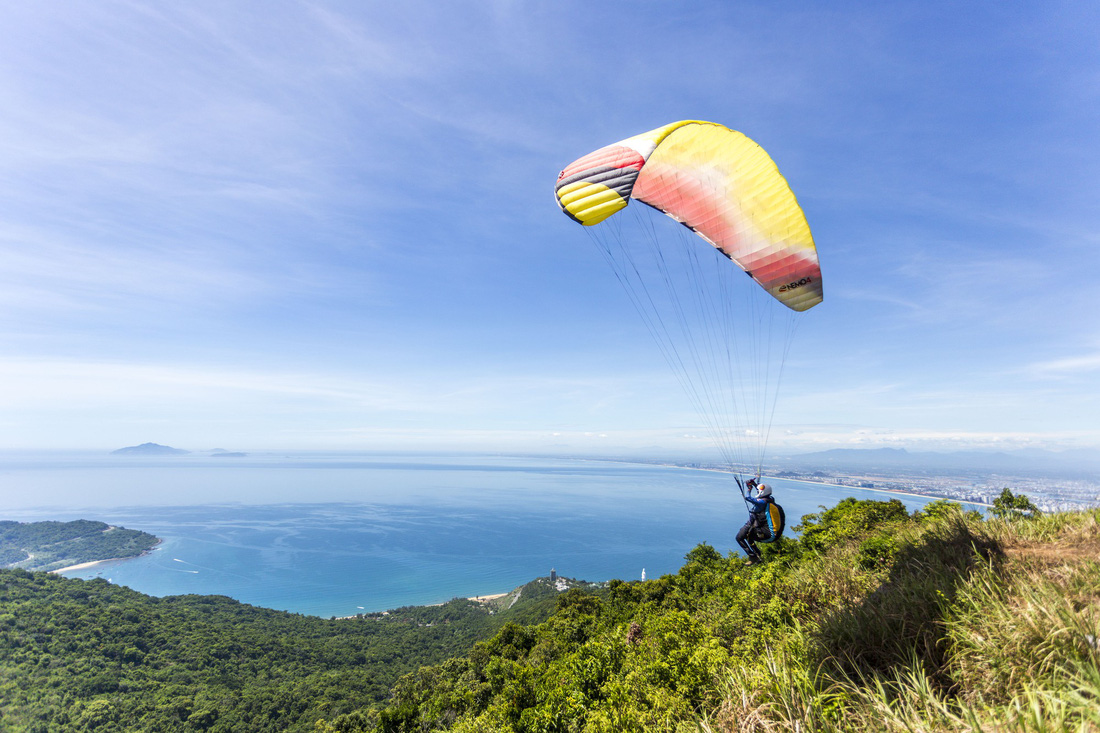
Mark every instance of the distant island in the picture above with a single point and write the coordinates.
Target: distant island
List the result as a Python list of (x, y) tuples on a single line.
[(60, 545), (149, 449)]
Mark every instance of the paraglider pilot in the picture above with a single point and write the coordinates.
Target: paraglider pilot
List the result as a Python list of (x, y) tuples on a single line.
[(758, 505)]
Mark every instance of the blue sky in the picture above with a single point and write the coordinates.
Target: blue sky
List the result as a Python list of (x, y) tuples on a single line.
[(332, 225)]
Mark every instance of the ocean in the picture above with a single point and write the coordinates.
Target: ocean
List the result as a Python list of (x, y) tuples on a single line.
[(340, 534)]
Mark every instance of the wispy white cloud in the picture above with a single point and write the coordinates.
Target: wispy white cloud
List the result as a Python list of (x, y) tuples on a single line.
[(335, 192), (52, 270), (1067, 366), (429, 391)]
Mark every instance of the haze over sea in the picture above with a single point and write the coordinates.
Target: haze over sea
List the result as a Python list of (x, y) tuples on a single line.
[(339, 534)]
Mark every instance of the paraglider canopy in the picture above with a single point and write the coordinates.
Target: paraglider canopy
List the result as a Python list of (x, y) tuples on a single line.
[(718, 183)]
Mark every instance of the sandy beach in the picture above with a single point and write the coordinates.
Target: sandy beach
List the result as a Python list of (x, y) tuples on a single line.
[(92, 564), (486, 599)]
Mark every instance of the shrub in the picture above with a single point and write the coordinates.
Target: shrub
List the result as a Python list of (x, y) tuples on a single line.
[(1012, 506)]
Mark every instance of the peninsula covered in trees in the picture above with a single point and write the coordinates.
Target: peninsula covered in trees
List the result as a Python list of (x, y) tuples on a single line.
[(55, 545)]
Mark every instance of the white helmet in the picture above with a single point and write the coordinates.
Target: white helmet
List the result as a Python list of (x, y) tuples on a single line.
[(763, 490)]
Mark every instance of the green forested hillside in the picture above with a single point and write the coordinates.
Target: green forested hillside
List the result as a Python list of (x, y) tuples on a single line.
[(874, 619), (52, 545), (87, 655)]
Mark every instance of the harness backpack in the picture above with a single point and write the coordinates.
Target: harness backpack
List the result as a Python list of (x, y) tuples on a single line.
[(775, 522)]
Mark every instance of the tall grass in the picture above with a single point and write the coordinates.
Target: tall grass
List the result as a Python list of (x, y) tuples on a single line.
[(976, 626), (904, 617), (1009, 633), (1064, 528), (778, 693)]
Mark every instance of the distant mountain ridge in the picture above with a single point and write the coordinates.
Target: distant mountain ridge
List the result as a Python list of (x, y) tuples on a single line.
[(1026, 460)]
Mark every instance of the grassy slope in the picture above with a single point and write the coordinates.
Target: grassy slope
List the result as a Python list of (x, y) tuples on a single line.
[(874, 620)]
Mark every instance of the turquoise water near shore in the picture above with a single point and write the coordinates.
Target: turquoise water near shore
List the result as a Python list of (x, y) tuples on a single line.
[(335, 535)]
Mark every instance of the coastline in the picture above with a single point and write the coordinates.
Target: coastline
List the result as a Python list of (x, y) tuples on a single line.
[(94, 563), (815, 491), (894, 492), (476, 599)]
